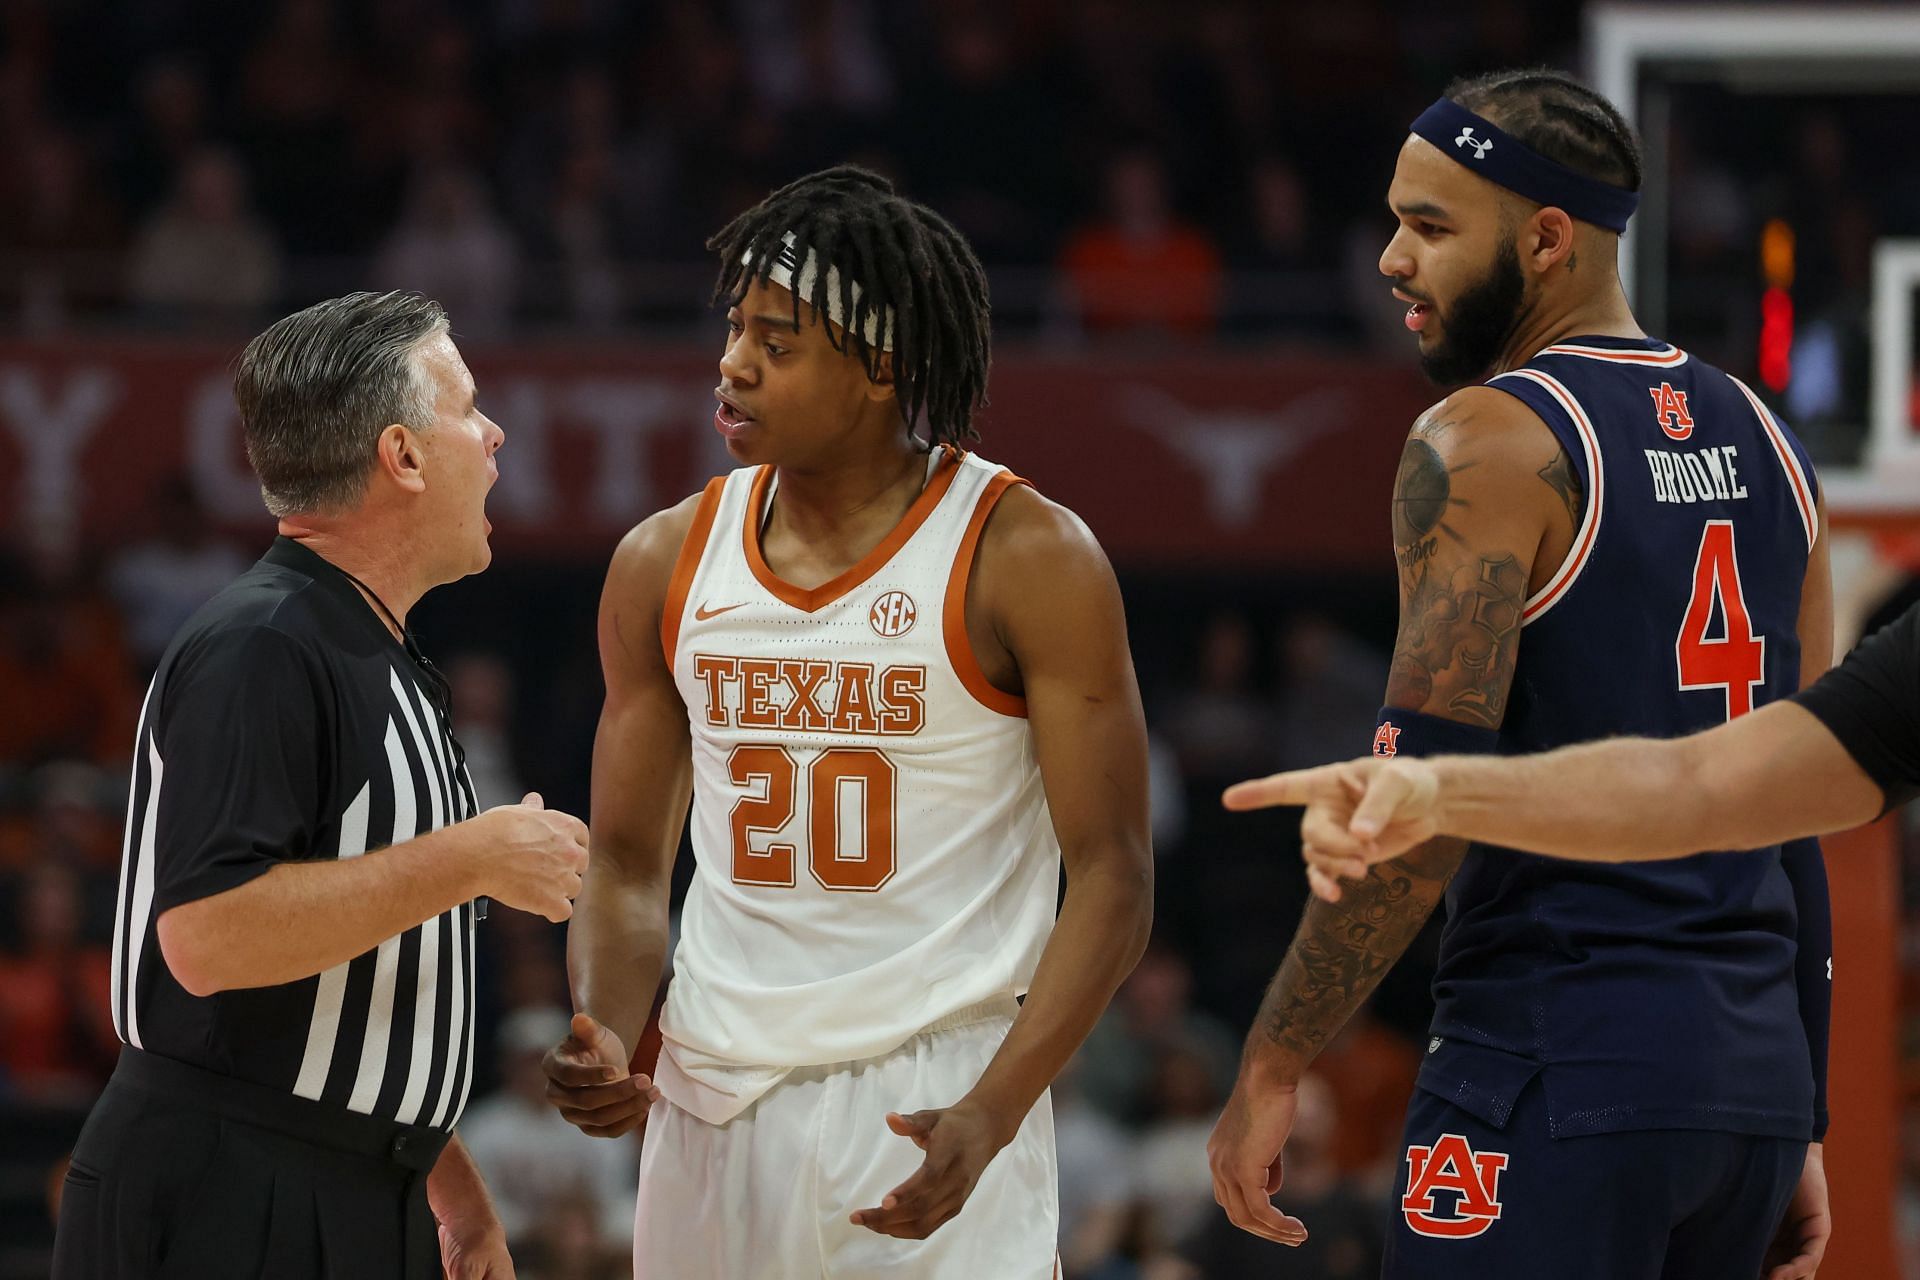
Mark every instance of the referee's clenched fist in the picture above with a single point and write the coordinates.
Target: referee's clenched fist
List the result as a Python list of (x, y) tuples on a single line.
[(532, 857)]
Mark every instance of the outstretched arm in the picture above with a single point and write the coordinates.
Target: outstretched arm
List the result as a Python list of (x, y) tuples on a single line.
[(1482, 490), (1775, 775)]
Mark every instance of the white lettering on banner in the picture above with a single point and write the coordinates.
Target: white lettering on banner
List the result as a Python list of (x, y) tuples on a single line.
[(623, 413), (216, 459), (52, 431), (1234, 450), (1711, 475)]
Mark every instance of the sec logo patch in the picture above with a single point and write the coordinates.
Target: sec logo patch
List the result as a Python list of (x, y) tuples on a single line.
[(893, 614)]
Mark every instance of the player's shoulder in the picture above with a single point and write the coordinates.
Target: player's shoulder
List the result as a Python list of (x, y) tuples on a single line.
[(1476, 415), (1031, 534), (651, 548)]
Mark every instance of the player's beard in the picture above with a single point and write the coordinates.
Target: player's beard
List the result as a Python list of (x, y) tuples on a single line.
[(1476, 328)]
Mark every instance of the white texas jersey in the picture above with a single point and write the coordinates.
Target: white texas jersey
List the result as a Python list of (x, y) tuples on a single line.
[(874, 851)]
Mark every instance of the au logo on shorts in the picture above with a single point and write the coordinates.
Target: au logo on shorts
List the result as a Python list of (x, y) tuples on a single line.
[(893, 614), (1469, 1179)]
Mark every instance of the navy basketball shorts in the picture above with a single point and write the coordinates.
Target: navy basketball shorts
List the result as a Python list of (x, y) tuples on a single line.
[(1479, 1202)]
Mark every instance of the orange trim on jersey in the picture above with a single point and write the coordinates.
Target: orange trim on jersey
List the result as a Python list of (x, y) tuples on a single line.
[(954, 621), (684, 565), (812, 601), (1671, 356), (1796, 479)]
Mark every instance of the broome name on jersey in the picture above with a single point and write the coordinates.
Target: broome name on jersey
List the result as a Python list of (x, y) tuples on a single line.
[(1707, 476)]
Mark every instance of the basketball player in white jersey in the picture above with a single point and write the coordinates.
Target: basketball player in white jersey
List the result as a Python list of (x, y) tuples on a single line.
[(896, 682)]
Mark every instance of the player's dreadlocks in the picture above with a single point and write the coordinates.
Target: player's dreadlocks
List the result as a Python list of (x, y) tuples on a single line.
[(902, 256), (1559, 117)]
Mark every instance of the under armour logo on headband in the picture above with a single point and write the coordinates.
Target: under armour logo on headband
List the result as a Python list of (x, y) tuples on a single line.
[(1491, 153), (1466, 139)]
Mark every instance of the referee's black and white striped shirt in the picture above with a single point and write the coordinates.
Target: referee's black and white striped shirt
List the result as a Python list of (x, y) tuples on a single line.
[(285, 722)]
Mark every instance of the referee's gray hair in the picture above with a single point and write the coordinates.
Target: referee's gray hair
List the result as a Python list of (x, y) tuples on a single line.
[(317, 388)]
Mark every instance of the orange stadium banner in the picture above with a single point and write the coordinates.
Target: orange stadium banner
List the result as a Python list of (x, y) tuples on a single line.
[(1236, 459)]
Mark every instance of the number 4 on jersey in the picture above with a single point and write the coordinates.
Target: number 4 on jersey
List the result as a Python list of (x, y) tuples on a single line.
[(1735, 661)]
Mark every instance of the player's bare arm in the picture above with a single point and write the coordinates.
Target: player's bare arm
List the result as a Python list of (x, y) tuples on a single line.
[(642, 780), (1484, 506), (1045, 619)]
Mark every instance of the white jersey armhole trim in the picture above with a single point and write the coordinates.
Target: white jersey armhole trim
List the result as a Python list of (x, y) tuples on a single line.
[(1588, 534), (1796, 476)]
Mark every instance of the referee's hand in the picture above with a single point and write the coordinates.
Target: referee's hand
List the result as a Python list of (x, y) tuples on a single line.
[(590, 1079), (533, 857)]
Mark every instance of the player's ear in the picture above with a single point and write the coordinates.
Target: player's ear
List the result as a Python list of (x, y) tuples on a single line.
[(880, 383), (1546, 241)]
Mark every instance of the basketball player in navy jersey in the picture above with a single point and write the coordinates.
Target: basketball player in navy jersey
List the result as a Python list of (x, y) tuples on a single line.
[(1601, 535)]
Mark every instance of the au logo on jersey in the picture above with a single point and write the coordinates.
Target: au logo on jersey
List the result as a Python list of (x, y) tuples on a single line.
[(1670, 411), (1386, 739), (893, 614), (1471, 1180)]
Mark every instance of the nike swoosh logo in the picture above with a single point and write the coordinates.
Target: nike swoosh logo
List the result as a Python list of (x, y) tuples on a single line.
[(703, 613)]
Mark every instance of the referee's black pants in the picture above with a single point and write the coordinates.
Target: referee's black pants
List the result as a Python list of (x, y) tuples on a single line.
[(183, 1173)]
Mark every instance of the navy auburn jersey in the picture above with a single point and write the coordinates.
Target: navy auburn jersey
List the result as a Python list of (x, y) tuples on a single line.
[(1660, 994)]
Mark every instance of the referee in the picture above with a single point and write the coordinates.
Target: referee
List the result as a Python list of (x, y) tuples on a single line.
[(293, 951)]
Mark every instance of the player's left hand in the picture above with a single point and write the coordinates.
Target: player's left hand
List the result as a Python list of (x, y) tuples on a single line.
[(959, 1141), (474, 1252), (1801, 1242)]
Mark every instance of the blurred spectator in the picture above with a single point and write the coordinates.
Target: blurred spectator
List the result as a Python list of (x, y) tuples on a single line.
[(1221, 727), (1370, 1070), (535, 1163), (482, 697), (205, 254), (453, 247), (57, 1042), (161, 579), (68, 811), (1170, 1161), (1343, 1226), (65, 669), (170, 99), (59, 236), (1096, 1182), (1331, 688), (1151, 1016), (1166, 795), (294, 88), (567, 1244), (980, 133), (1139, 268)]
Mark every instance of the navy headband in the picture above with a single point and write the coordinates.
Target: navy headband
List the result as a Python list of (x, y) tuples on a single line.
[(1504, 160)]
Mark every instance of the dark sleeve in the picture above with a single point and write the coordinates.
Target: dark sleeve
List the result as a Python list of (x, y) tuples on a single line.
[(1871, 703), (239, 736), (1806, 871)]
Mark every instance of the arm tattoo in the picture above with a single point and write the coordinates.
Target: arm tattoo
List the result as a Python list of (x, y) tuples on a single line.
[(1343, 949), (1565, 481), (1459, 615)]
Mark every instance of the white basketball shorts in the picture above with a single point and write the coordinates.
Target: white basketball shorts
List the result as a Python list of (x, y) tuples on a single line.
[(769, 1194)]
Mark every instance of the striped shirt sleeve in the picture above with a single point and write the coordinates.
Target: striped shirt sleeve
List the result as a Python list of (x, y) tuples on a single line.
[(237, 745), (1871, 703)]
